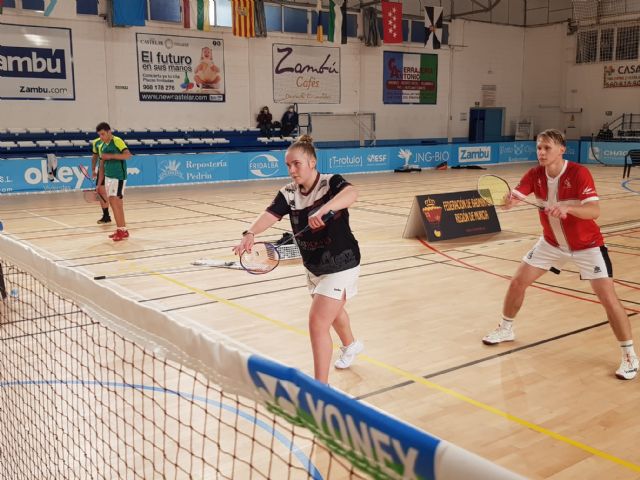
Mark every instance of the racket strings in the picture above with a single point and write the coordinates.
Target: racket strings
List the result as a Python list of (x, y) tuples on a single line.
[(263, 258), (493, 190)]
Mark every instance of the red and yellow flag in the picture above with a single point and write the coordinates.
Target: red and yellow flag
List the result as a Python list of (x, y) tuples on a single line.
[(243, 18)]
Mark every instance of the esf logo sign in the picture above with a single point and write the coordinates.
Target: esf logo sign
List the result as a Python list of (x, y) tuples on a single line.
[(264, 165), (67, 175), (474, 154), (346, 161), (377, 160)]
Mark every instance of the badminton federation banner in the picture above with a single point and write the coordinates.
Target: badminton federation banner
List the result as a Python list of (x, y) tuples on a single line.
[(410, 78), (306, 74), (36, 63), (180, 69), (443, 216)]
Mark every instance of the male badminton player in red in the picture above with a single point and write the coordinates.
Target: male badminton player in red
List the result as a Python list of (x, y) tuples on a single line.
[(113, 153), (568, 193), (330, 252)]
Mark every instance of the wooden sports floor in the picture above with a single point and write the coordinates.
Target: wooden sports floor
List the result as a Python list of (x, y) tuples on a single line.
[(546, 406)]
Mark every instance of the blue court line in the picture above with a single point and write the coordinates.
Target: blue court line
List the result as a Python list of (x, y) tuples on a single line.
[(626, 186), (304, 460)]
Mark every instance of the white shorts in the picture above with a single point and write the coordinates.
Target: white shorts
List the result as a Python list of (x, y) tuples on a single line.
[(114, 186), (592, 262), (335, 285)]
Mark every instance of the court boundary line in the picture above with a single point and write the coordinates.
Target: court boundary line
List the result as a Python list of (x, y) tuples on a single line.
[(427, 383)]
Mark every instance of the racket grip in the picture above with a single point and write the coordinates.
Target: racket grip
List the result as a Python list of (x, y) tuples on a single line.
[(328, 216)]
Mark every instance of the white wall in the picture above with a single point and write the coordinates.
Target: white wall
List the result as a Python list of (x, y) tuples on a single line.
[(533, 70)]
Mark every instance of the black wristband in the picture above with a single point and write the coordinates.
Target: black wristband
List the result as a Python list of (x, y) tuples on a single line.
[(246, 232)]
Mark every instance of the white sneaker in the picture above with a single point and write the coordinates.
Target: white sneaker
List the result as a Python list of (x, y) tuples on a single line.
[(348, 354), (628, 367), (499, 335)]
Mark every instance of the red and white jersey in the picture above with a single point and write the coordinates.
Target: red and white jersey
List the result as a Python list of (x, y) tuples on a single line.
[(574, 186)]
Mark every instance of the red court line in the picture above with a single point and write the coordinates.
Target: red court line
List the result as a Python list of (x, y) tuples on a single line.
[(507, 277), (621, 282)]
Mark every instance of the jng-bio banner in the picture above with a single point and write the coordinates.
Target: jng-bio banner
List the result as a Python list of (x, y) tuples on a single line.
[(306, 74), (36, 63), (180, 69), (410, 78)]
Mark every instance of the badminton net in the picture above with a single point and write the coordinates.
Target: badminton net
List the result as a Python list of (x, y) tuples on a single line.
[(96, 385)]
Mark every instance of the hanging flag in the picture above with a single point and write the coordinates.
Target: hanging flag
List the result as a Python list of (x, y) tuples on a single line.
[(261, 19), (128, 13), (186, 14), (433, 27), (243, 22), (319, 27), (392, 22), (371, 32), (337, 21), (61, 9), (202, 15)]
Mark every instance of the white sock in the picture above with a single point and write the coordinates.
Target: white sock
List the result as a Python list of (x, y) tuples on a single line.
[(627, 348), (506, 323)]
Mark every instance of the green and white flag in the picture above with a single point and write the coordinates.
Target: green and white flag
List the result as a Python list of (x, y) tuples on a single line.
[(337, 21)]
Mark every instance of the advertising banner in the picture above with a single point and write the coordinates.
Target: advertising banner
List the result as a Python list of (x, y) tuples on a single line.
[(306, 74), (410, 78), (36, 63), (609, 153), (422, 156), (351, 160), (180, 69), (622, 75), (518, 151)]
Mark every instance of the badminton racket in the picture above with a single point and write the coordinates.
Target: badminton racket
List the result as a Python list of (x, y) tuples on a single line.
[(265, 256), (496, 191), (91, 195)]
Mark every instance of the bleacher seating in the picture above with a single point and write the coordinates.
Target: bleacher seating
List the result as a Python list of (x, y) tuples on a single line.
[(21, 142)]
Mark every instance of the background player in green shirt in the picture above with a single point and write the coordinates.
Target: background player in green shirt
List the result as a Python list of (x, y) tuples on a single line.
[(113, 154)]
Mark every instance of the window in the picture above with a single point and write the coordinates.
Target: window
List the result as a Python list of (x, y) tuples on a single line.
[(352, 25), (417, 31), (222, 9), (587, 46), (33, 4), (165, 11), (627, 43), (274, 17), (9, 3), (606, 45), (295, 20), (87, 7)]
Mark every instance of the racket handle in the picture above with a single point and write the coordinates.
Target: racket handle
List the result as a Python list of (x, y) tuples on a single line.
[(328, 216)]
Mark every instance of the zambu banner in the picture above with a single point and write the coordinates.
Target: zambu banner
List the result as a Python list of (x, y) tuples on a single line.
[(306, 74), (36, 63)]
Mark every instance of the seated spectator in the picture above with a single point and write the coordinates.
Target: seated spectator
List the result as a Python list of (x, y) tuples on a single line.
[(605, 133), (265, 122), (289, 122)]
